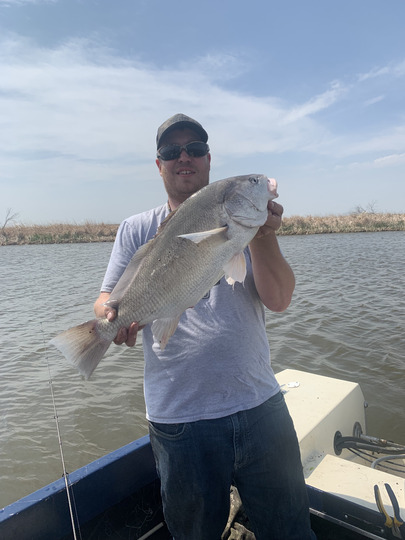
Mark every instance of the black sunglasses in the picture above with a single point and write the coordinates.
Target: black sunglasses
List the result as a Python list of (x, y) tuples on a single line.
[(173, 151)]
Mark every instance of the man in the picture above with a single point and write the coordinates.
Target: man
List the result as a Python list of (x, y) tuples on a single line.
[(215, 411)]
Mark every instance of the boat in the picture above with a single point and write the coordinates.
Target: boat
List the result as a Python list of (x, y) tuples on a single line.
[(355, 482)]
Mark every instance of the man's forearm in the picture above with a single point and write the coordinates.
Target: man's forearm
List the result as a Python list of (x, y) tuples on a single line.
[(274, 278)]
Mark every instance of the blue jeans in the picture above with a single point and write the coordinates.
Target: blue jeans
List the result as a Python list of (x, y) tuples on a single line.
[(256, 450)]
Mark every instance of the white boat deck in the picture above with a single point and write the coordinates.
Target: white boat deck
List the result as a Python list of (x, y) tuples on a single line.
[(320, 406)]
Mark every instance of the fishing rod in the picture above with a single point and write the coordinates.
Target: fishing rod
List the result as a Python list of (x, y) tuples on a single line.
[(73, 514)]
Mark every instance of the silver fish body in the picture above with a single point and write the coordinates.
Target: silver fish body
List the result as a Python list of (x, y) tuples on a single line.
[(197, 245)]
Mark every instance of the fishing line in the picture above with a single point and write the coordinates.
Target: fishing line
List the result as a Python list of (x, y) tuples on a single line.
[(71, 505)]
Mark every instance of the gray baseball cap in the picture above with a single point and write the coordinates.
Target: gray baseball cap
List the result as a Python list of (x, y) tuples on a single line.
[(180, 121)]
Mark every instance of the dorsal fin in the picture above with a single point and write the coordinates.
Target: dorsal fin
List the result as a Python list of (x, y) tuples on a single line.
[(165, 221)]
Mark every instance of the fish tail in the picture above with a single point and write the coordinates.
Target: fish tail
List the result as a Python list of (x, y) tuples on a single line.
[(83, 346)]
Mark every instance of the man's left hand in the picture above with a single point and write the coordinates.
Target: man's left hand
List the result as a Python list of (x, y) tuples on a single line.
[(273, 222)]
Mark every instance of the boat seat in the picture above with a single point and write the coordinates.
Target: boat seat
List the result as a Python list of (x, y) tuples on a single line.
[(355, 482), (320, 406)]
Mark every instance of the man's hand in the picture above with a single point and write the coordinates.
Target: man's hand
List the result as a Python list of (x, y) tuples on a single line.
[(273, 222), (124, 335)]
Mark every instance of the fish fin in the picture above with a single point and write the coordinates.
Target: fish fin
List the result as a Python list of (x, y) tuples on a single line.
[(198, 237), (165, 221), (235, 269), (163, 329), (83, 346), (127, 277)]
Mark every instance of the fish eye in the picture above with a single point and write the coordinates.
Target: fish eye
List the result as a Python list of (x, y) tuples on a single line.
[(253, 180)]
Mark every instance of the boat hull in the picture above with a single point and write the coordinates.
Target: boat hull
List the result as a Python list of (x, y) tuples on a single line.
[(118, 495)]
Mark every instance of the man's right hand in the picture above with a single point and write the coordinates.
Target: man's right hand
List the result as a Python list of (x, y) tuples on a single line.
[(127, 335), (124, 335)]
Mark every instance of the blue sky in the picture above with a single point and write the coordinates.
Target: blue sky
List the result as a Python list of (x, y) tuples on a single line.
[(311, 93)]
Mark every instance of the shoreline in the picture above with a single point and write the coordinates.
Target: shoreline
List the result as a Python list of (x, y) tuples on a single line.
[(65, 233)]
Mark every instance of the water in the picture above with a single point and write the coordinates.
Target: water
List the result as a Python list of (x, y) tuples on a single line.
[(347, 320)]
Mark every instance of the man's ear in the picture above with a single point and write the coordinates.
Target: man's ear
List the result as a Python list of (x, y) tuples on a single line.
[(159, 165)]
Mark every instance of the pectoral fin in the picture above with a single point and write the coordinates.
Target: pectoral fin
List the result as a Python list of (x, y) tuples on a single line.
[(235, 269), (198, 237), (163, 329)]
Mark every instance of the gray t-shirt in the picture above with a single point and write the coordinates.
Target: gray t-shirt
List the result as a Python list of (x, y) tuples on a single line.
[(218, 360)]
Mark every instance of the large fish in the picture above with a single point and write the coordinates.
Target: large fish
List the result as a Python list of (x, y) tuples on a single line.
[(197, 244)]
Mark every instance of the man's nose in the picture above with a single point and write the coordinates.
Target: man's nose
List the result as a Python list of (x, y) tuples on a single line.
[(183, 155)]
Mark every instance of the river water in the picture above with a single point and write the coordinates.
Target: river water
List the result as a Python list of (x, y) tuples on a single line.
[(346, 320)]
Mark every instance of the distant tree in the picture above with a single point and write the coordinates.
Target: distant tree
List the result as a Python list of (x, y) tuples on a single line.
[(10, 217), (370, 209)]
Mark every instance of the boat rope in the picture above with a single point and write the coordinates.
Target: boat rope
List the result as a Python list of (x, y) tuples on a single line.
[(70, 497), (152, 531), (387, 458)]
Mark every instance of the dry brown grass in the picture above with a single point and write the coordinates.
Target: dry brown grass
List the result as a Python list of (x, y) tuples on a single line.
[(357, 222), (58, 233), (64, 233)]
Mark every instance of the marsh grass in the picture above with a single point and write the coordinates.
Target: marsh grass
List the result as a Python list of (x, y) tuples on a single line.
[(356, 222), (63, 233), (58, 233)]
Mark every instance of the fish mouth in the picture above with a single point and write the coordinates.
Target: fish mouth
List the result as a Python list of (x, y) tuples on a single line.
[(272, 187)]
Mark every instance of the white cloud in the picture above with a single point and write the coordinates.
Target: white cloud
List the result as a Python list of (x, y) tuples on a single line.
[(8, 3), (390, 161), (79, 115), (373, 101), (389, 140), (81, 101), (216, 66), (383, 162), (390, 70), (317, 103)]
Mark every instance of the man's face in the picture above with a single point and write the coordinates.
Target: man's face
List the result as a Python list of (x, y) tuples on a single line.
[(185, 175)]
